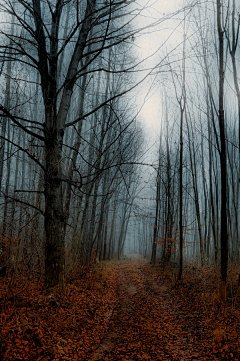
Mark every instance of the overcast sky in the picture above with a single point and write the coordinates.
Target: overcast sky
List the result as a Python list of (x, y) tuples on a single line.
[(156, 41)]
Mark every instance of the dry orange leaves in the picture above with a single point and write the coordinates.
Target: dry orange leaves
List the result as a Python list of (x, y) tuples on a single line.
[(39, 327), (122, 311)]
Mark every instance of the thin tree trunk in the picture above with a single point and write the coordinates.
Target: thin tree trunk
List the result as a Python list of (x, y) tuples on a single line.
[(223, 163), (155, 231), (195, 188)]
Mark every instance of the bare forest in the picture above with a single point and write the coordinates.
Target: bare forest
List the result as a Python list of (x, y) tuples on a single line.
[(119, 180)]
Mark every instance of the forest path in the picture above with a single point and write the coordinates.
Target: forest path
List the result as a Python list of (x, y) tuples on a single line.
[(122, 310), (151, 321)]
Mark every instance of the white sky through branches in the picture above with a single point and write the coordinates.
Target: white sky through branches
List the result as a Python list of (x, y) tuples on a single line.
[(157, 41)]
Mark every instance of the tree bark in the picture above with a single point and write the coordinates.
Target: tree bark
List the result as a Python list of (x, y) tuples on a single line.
[(54, 216)]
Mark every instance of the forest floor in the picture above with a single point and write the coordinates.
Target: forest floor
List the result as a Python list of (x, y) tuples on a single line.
[(122, 310)]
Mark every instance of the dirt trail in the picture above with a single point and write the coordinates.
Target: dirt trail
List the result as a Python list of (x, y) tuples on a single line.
[(149, 322), (124, 310)]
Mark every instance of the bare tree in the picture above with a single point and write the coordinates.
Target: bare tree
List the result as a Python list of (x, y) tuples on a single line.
[(61, 57), (223, 160)]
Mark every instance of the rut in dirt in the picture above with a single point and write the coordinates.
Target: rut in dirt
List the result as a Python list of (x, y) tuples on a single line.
[(149, 322)]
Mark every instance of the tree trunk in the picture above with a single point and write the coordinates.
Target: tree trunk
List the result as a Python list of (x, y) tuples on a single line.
[(155, 231), (224, 231), (195, 187), (54, 216)]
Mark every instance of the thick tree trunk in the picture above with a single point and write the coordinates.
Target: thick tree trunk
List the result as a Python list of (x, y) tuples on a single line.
[(54, 216)]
